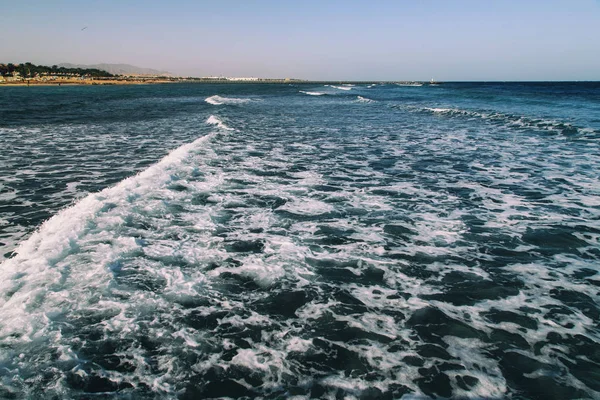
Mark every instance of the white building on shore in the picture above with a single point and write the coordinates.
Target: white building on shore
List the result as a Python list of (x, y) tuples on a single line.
[(243, 79), (234, 79)]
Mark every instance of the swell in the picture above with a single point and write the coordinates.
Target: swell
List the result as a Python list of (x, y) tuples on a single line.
[(397, 265), (217, 100), (510, 120), (361, 99), (313, 93), (36, 258), (68, 278), (212, 120), (346, 88)]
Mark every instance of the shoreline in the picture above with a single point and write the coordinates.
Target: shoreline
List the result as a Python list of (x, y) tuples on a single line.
[(195, 81), (83, 83), (157, 81)]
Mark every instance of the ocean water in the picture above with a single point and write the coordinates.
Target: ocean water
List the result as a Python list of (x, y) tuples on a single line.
[(300, 241)]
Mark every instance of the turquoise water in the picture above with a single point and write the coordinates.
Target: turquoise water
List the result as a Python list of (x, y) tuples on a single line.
[(368, 241)]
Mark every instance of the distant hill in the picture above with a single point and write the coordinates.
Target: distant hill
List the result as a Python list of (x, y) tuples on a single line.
[(119, 69)]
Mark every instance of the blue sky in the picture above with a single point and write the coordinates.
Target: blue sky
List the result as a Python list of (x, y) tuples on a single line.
[(360, 40)]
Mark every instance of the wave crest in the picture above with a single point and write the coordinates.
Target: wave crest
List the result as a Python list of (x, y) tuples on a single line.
[(510, 120), (312, 93), (212, 120), (340, 87), (217, 100), (361, 99)]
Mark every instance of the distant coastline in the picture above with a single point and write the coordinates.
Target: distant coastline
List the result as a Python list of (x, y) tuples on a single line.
[(78, 81), (83, 82), (28, 74)]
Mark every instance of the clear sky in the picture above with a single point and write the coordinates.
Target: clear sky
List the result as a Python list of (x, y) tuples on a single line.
[(314, 39)]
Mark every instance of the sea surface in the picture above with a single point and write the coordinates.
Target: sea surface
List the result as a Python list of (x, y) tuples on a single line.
[(381, 241)]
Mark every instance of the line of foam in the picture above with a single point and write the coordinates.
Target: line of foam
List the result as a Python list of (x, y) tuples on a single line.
[(340, 87), (362, 99), (518, 121), (212, 120), (312, 93), (54, 239), (219, 100)]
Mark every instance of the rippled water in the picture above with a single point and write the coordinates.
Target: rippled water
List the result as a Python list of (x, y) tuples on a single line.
[(314, 241)]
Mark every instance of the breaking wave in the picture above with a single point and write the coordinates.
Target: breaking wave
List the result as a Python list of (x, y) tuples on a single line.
[(34, 270), (362, 99), (212, 120), (312, 93), (218, 100), (341, 87), (333, 253), (510, 120)]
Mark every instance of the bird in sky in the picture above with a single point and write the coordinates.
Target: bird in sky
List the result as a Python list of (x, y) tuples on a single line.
[(84, 28)]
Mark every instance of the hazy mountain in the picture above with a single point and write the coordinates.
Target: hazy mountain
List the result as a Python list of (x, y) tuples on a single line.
[(119, 69)]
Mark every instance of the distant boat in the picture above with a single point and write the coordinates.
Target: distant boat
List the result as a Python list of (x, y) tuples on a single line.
[(433, 82)]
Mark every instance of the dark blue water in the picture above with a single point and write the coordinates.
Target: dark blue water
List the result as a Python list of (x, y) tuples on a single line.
[(368, 241)]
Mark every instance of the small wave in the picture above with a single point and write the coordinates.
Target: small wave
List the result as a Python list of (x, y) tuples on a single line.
[(445, 110), (409, 84), (312, 93), (340, 87), (218, 100), (518, 121), (361, 99), (212, 120), (36, 257)]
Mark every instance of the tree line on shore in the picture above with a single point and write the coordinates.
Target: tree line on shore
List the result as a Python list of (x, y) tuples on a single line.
[(29, 70)]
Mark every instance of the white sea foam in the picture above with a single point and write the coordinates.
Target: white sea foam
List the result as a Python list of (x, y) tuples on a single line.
[(38, 268), (491, 383), (340, 87), (248, 253), (307, 206), (308, 178), (265, 274), (312, 93), (362, 99), (441, 110), (212, 120), (515, 121), (219, 100)]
